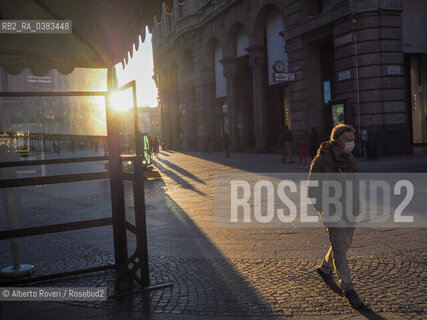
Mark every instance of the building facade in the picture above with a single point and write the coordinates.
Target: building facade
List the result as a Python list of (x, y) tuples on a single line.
[(149, 120), (250, 67)]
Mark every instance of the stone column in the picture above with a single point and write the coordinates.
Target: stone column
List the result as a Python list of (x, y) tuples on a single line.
[(184, 98), (373, 76), (176, 119), (230, 72), (162, 119), (167, 123), (167, 114), (210, 111), (171, 117), (257, 60)]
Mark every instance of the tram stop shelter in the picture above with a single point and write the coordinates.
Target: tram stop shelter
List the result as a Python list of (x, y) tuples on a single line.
[(103, 31)]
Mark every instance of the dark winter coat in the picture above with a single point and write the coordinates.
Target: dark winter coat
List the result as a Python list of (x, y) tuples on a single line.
[(332, 164)]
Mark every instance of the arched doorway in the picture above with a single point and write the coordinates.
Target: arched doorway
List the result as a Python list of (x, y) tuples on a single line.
[(187, 107), (241, 74), (277, 91), (269, 45), (220, 92), (215, 94)]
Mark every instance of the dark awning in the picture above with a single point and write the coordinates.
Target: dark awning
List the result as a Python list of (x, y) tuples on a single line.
[(103, 33)]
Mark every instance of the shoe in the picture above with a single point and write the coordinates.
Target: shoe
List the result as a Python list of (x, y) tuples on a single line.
[(353, 299), (329, 281), (327, 277)]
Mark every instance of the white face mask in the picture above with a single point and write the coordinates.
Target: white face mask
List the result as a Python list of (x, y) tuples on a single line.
[(349, 146)]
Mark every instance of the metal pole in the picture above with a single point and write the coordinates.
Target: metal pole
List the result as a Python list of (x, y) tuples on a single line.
[(43, 168), (139, 197), (116, 179)]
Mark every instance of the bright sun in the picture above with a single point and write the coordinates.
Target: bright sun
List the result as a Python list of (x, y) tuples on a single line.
[(122, 100)]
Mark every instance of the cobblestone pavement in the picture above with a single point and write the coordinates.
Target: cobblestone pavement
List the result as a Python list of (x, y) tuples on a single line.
[(270, 287), (219, 271)]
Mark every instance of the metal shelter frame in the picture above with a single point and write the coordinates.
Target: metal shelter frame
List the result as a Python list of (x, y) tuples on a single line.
[(129, 269)]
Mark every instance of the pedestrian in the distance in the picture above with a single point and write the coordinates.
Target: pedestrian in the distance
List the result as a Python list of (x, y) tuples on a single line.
[(155, 146), (151, 145), (286, 141), (314, 142), (164, 146), (335, 162), (303, 151), (226, 144)]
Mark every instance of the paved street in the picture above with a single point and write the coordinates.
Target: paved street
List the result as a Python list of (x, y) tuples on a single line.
[(217, 272)]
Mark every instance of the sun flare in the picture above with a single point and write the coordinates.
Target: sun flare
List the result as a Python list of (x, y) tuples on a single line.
[(122, 101)]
